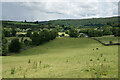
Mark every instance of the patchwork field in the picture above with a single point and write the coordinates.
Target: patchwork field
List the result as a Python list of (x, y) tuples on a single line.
[(63, 58), (107, 39)]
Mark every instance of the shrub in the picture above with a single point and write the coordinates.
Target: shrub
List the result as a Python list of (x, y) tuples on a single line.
[(22, 39), (29, 32), (13, 32), (73, 33), (43, 36), (14, 46), (13, 71), (94, 33), (4, 46), (27, 42), (4, 50), (110, 42), (63, 35), (66, 32), (29, 61), (21, 35)]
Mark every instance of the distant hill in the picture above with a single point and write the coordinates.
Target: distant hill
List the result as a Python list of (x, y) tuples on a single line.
[(92, 22), (82, 22)]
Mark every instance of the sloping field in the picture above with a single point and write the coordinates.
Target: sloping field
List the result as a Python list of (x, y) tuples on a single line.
[(107, 39), (64, 58)]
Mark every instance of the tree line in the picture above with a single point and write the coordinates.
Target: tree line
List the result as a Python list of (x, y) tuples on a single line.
[(95, 32)]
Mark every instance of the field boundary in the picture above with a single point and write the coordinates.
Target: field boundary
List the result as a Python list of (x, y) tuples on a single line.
[(104, 43)]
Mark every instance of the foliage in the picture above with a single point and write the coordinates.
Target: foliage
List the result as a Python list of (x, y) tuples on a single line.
[(27, 42), (13, 71), (14, 46), (13, 32), (65, 24), (107, 31), (94, 33), (73, 33), (4, 45), (6, 33), (63, 35), (43, 36), (29, 32), (116, 31)]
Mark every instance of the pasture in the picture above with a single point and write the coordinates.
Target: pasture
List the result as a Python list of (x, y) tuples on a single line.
[(107, 39), (63, 58)]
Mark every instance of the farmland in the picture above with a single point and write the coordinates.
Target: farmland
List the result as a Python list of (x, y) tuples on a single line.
[(60, 48), (64, 57), (106, 39)]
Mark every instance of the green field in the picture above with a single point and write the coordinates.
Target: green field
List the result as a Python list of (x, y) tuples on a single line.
[(107, 39), (63, 58)]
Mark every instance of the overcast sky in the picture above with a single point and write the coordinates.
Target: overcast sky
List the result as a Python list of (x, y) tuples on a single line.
[(62, 9)]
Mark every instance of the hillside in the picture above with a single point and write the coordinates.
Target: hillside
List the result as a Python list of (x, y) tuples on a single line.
[(82, 22), (92, 22), (63, 58)]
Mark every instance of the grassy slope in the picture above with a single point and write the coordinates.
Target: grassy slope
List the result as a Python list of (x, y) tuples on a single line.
[(107, 39), (62, 57)]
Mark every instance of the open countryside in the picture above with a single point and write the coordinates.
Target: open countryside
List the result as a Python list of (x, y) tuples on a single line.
[(54, 44)]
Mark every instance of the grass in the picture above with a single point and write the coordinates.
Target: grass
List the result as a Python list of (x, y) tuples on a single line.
[(21, 33), (107, 39), (64, 58), (60, 33)]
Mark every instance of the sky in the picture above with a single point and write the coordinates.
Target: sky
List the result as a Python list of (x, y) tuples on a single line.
[(45, 10)]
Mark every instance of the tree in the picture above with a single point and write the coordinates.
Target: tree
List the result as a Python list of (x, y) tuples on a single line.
[(73, 32), (107, 31), (95, 33), (6, 33), (28, 33), (25, 21), (36, 22), (35, 38), (116, 31), (63, 35), (4, 46), (13, 32), (42, 36), (14, 46), (27, 42)]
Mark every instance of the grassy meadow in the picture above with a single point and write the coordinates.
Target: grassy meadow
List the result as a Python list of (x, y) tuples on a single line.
[(107, 39), (63, 58)]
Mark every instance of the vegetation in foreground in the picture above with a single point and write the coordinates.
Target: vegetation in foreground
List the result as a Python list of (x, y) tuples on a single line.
[(63, 58)]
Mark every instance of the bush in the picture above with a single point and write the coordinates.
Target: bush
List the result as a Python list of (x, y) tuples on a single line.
[(13, 32), (95, 33), (4, 46), (29, 32), (14, 46), (110, 42), (73, 33), (27, 42), (21, 35), (66, 32), (4, 50), (63, 35), (43, 36)]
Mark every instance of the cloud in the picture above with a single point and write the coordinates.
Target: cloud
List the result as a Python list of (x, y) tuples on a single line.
[(59, 0), (50, 9)]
